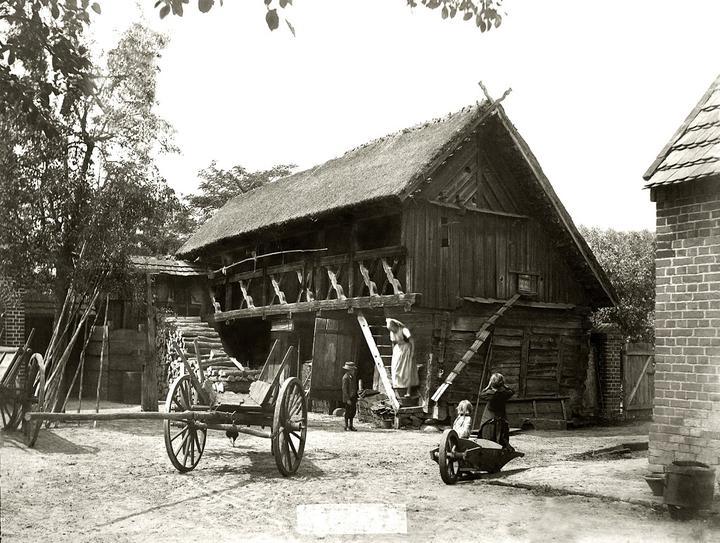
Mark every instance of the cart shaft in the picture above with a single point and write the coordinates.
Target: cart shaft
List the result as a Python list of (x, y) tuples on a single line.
[(205, 416)]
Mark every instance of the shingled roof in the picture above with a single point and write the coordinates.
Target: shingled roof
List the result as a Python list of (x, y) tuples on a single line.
[(381, 169), (694, 150)]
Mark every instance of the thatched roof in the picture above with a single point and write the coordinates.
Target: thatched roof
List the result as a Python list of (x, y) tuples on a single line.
[(166, 266), (694, 150), (381, 169)]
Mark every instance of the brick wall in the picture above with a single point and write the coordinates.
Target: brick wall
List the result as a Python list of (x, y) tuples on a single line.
[(608, 343), (686, 411), (12, 308)]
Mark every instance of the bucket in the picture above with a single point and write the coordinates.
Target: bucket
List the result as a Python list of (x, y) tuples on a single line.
[(689, 485)]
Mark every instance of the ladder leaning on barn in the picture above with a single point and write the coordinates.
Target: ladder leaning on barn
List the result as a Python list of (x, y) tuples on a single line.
[(377, 358), (482, 335)]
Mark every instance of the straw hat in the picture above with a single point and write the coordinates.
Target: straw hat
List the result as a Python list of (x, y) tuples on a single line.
[(349, 366)]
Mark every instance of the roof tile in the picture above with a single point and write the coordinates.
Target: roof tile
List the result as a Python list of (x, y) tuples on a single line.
[(694, 150)]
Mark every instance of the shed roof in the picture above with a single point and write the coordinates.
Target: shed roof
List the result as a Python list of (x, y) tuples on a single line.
[(167, 266), (694, 150)]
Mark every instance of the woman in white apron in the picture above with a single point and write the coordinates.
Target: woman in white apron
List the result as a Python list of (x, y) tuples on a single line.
[(404, 371)]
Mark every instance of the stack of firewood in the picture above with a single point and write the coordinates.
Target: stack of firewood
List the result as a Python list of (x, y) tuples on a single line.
[(196, 339), (374, 407), (226, 379)]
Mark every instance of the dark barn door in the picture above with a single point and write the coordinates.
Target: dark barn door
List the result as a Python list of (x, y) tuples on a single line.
[(334, 344)]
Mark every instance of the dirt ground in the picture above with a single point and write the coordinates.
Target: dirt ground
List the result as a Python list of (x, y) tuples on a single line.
[(114, 483)]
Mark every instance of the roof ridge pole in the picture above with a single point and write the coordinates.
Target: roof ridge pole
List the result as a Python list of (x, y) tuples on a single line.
[(489, 98)]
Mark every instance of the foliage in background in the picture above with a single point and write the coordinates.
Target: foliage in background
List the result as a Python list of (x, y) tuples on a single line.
[(628, 258), (218, 186), (86, 182), (485, 13)]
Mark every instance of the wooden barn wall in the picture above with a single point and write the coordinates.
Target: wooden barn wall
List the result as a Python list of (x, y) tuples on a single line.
[(123, 358), (540, 352), (453, 254)]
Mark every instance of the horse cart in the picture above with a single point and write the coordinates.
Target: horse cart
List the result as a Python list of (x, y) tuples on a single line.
[(192, 408), (466, 458), (22, 386)]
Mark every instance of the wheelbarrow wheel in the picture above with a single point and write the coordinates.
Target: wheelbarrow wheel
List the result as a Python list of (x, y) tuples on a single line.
[(449, 465), (289, 427), (35, 387), (184, 441)]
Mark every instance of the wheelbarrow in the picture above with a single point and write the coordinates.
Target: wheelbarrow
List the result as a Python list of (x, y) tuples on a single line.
[(458, 457)]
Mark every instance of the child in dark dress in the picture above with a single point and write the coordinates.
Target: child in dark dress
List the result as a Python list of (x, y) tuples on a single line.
[(350, 394), (497, 396)]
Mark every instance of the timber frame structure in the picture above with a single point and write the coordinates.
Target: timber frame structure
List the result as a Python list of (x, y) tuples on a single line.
[(450, 227)]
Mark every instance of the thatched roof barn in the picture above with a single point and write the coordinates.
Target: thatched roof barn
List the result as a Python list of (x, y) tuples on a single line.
[(438, 225)]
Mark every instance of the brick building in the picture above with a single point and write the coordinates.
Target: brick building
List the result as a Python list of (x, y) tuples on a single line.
[(684, 182), (12, 315)]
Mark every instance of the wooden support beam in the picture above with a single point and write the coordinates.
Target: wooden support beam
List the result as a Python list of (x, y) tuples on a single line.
[(365, 302), (278, 292), (369, 283), (244, 290), (335, 285), (391, 277)]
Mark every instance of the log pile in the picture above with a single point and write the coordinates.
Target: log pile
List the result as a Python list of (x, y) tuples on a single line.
[(227, 379), (199, 342), (374, 407)]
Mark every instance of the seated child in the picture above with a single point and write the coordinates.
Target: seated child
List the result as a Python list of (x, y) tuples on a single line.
[(463, 422)]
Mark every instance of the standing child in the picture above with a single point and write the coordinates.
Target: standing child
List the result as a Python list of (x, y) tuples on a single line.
[(350, 394)]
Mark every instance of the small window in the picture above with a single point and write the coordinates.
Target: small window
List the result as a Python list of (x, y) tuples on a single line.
[(444, 235)]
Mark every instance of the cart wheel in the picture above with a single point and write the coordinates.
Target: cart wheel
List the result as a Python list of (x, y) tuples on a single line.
[(35, 387), (289, 426), (449, 466), (184, 442), (11, 410)]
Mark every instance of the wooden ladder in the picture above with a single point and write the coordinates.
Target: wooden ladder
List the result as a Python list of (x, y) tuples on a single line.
[(480, 338), (378, 359)]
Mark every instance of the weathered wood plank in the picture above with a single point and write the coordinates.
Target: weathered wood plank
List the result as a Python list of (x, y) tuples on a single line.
[(366, 302)]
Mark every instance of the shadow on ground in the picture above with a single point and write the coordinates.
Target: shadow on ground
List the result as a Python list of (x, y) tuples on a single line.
[(48, 443)]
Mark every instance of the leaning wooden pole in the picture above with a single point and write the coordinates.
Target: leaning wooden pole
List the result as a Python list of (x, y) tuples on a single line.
[(488, 355), (102, 353)]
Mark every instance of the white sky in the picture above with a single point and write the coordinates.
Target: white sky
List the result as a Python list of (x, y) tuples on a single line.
[(598, 87)]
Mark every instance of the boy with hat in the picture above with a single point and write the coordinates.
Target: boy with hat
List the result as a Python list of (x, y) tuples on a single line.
[(350, 394)]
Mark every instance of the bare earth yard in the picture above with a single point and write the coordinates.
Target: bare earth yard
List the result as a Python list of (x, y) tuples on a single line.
[(114, 483)]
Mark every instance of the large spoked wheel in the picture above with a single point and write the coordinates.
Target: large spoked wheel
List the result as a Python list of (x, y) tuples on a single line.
[(449, 465), (289, 426), (184, 441), (12, 391), (35, 387)]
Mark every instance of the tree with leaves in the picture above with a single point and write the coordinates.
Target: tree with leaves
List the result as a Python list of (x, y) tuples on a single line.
[(485, 13), (81, 195), (628, 258), (219, 185)]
